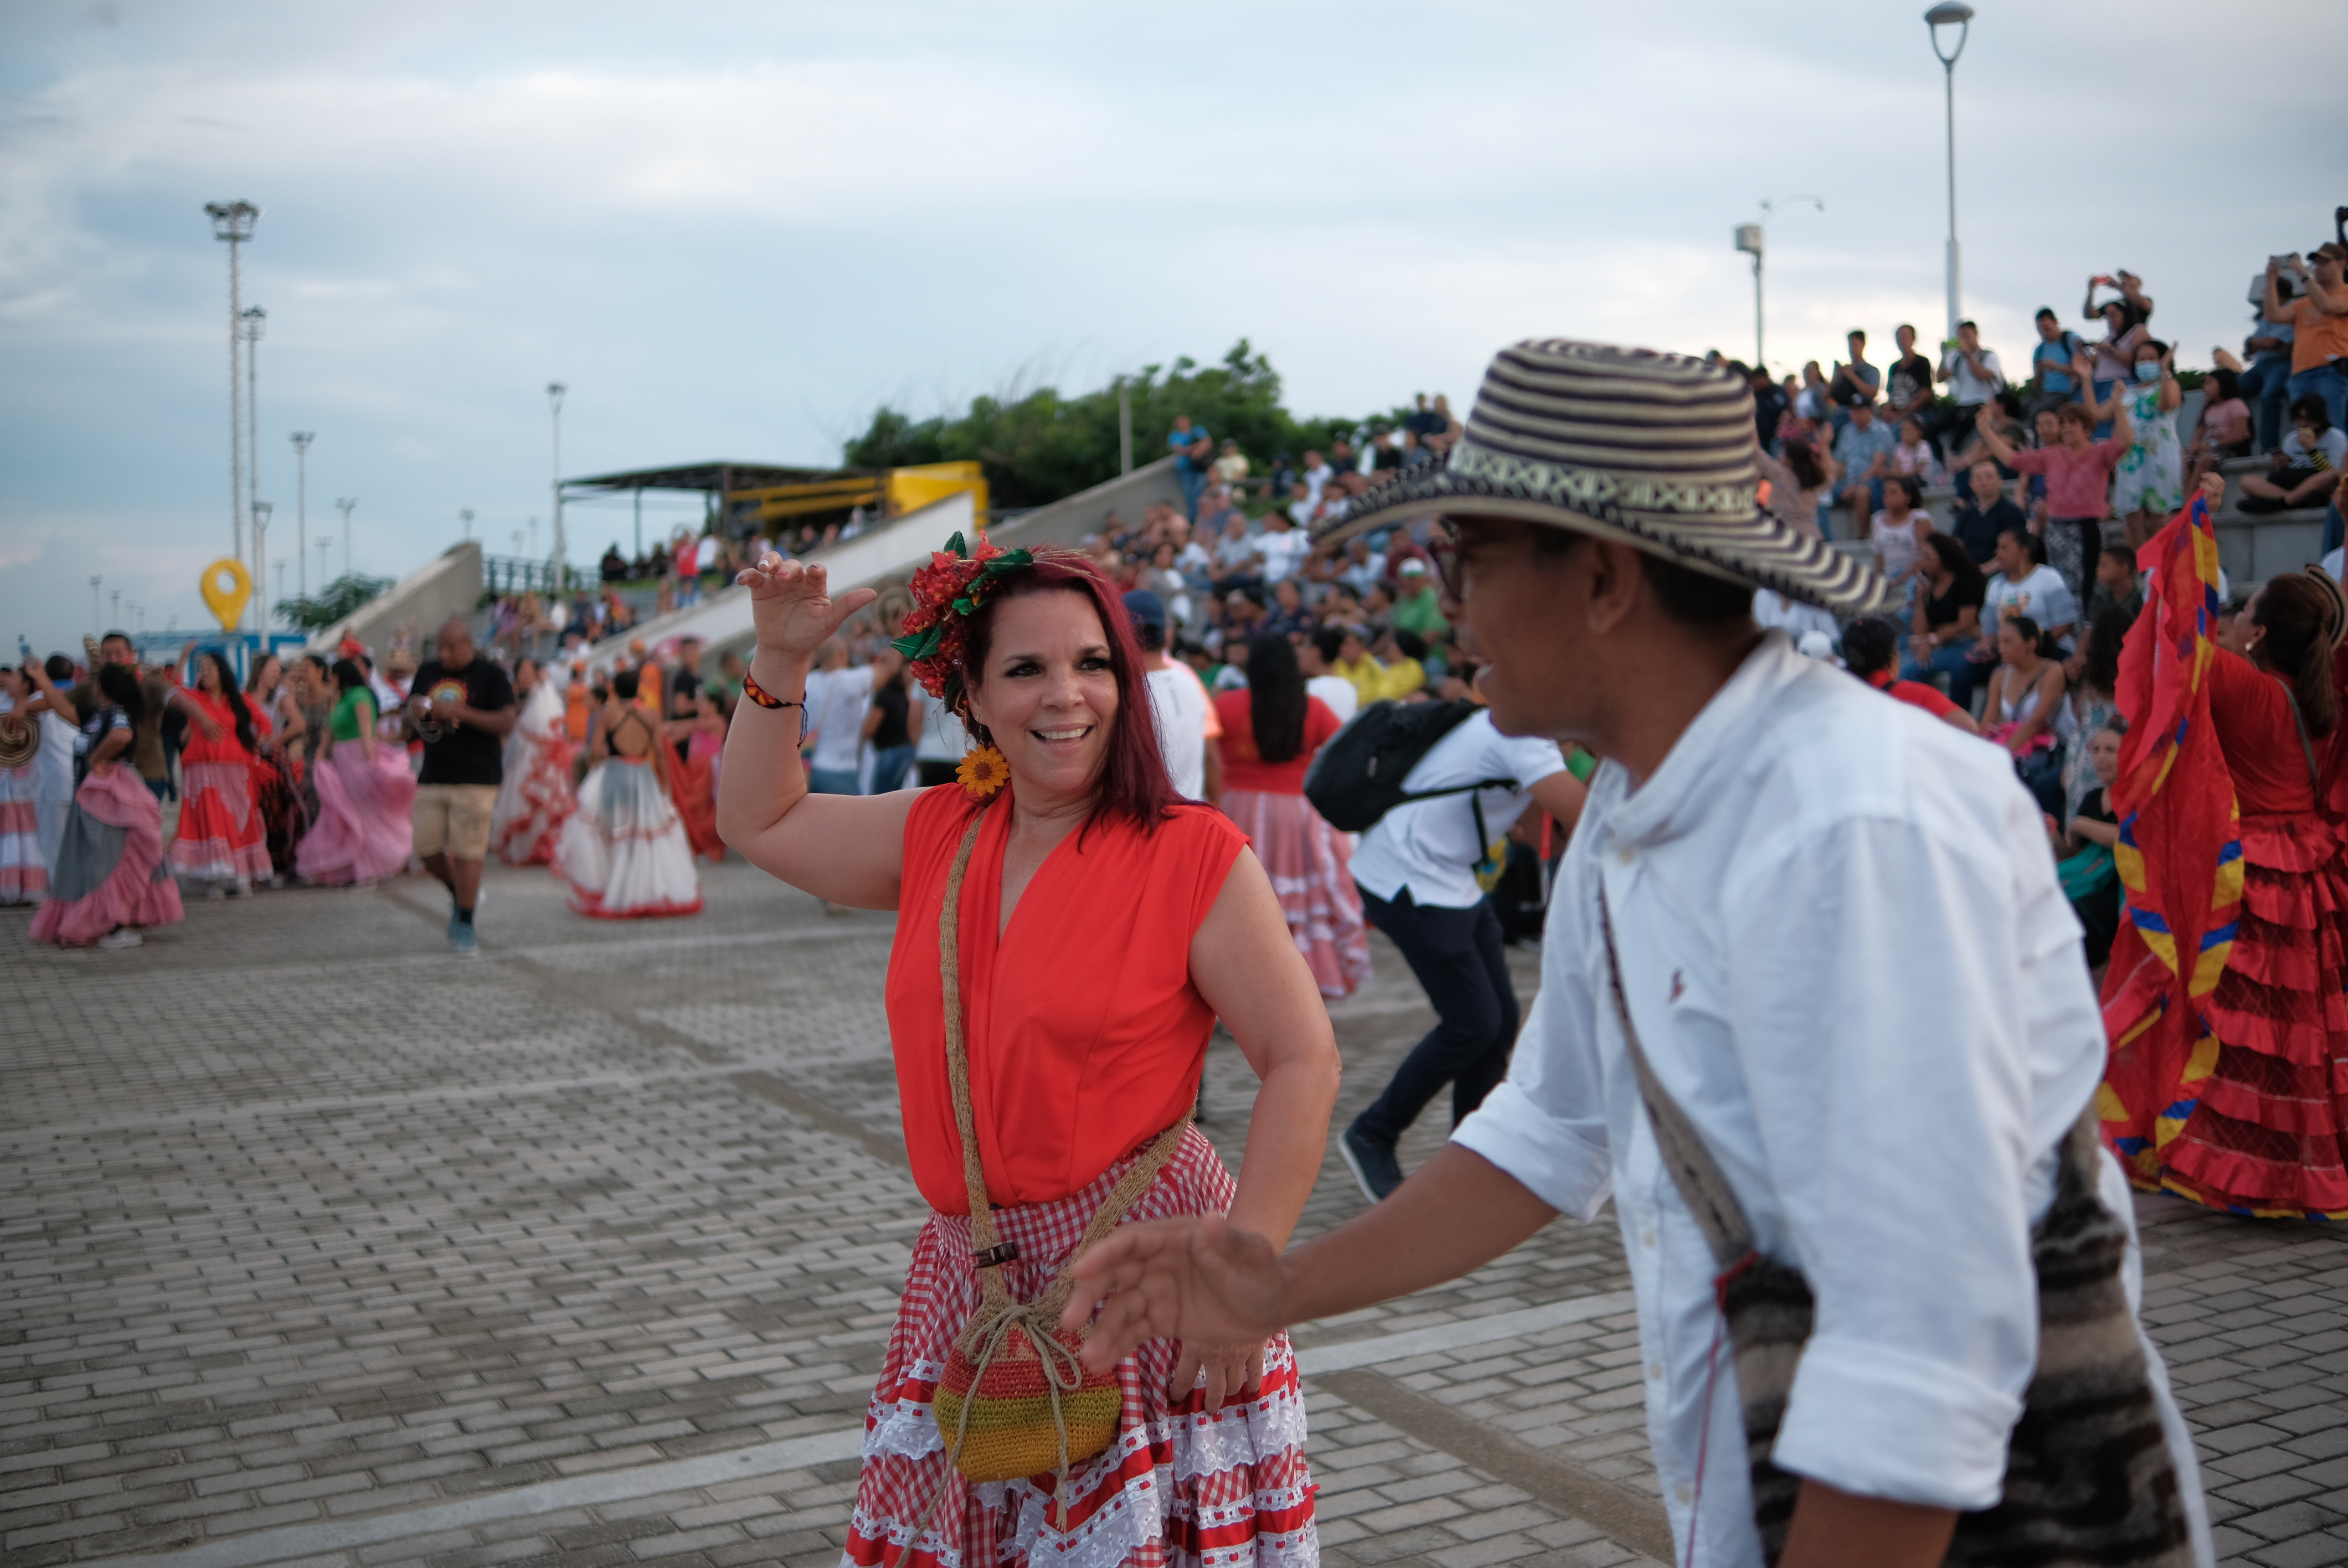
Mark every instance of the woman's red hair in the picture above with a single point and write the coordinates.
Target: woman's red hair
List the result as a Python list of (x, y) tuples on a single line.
[(1133, 778)]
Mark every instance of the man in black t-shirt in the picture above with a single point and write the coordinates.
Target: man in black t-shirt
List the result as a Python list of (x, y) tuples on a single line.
[(462, 707), (1982, 512)]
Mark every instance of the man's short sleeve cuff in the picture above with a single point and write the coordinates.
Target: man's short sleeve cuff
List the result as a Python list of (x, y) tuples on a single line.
[(1868, 1419), (1553, 1160)]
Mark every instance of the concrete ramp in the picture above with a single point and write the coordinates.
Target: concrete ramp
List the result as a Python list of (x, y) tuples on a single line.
[(889, 553), (449, 584)]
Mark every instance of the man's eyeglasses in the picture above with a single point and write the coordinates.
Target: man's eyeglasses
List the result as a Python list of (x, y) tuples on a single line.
[(1450, 568)]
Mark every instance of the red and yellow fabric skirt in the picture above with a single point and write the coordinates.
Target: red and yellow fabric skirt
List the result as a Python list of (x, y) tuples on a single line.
[(1181, 1486), (2249, 1112)]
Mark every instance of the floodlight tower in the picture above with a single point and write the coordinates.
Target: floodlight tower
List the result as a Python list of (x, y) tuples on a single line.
[(345, 505), (232, 223)]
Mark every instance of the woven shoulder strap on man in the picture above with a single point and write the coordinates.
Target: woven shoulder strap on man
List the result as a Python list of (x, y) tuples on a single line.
[(2089, 1480)]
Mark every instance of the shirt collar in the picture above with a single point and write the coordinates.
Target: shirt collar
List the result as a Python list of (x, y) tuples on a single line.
[(1683, 787)]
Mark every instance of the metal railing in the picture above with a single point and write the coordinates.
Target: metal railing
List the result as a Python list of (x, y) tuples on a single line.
[(517, 574)]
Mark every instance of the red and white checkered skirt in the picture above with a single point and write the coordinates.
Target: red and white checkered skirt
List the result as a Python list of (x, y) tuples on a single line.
[(1181, 1487)]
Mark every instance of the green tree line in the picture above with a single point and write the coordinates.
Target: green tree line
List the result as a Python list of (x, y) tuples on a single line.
[(1045, 445)]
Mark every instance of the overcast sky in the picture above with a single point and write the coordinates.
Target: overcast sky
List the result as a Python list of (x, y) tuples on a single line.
[(735, 229)]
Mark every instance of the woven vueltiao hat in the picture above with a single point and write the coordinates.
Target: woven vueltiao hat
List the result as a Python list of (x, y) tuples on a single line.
[(1655, 450)]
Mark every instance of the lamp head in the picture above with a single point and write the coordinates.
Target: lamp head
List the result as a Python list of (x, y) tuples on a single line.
[(232, 219), (1748, 239), (1949, 13)]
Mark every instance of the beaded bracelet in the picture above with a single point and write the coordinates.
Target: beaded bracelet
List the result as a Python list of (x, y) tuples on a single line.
[(759, 694)]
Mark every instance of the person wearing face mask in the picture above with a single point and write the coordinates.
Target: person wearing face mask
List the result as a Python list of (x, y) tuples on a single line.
[(2149, 481)]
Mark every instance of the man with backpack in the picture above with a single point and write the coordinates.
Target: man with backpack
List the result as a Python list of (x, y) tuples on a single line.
[(1886, 1270), (1420, 869)]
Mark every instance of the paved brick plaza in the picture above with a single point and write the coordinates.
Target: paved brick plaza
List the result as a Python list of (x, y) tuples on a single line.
[(319, 1247)]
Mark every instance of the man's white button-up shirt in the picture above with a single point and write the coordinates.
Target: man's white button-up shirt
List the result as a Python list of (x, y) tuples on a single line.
[(1849, 957)]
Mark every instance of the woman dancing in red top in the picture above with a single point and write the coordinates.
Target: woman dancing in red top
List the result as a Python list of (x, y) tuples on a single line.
[(1103, 925), (221, 838), (2263, 1098)]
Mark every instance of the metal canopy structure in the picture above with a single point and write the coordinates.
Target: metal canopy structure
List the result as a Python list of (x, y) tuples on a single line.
[(740, 495), (715, 477)]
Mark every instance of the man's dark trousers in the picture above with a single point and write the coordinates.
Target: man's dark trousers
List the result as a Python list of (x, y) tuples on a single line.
[(1458, 958)]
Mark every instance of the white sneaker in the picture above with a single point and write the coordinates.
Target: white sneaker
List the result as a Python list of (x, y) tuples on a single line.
[(120, 936)]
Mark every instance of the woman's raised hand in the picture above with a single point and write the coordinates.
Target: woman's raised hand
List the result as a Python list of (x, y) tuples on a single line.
[(791, 605)]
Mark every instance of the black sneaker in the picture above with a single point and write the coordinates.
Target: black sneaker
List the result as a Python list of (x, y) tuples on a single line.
[(1373, 1164)]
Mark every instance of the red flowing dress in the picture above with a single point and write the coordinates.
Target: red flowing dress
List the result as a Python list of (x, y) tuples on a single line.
[(2265, 1130), (1086, 1038), (221, 835)]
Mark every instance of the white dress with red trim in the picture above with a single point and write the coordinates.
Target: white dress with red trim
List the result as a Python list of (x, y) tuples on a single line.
[(623, 851)]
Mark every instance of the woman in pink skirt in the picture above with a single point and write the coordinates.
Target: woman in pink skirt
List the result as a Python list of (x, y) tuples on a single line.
[(1270, 731), (366, 794), (111, 878)]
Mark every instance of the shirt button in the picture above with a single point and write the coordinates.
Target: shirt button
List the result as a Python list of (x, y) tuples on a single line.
[(1680, 1492), (1624, 855), (1647, 1238), (1655, 1370)]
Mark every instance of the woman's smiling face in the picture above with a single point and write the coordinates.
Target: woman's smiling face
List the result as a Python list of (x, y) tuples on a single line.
[(1048, 693)]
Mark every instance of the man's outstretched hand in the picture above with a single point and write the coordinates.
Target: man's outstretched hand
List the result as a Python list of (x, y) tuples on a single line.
[(1198, 1279)]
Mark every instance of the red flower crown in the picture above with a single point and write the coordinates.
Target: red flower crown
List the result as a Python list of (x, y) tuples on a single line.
[(946, 593)]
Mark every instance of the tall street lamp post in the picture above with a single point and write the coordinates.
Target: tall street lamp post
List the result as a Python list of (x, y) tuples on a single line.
[(346, 506), (253, 319), (261, 510), (1950, 14), (302, 439), (1751, 240), (232, 223), (554, 391)]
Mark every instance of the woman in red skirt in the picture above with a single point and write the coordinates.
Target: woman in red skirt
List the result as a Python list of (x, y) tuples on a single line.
[(221, 838), (1099, 927), (2238, 1097), (1271, 730)]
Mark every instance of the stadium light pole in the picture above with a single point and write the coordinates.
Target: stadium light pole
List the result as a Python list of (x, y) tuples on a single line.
[(346, 505), (232, 223), (1950, 14), (554, 391), (97, 615), (302, 439)]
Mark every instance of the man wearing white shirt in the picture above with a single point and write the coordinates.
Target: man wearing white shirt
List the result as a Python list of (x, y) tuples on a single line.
[(1317, 658), (1316, 475), (1178, 701), (1416, 870), (1283, 547), (1891, 1132), (836, 719)]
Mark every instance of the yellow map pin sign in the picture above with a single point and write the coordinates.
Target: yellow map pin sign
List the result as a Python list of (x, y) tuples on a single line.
[(226, 586)]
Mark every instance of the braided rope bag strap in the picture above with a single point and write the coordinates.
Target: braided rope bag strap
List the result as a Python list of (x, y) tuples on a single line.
[(1014, 1399), (2089, 1480)]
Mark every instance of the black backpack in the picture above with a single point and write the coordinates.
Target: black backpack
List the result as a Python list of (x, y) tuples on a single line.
[(1358, 777)]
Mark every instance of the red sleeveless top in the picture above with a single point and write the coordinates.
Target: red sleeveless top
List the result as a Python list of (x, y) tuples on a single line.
[(1085, 1034)]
